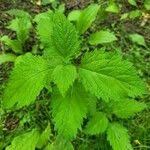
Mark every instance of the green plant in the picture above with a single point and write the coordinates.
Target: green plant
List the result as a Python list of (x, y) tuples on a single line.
[(81, 83), (21, 25)]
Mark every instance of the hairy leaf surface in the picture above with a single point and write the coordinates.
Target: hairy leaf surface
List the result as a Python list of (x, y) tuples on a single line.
[(69, 111), (64, 76), (26, 141), (109, 77), (118, 137), (61, 37), (97, 124), (66, 35), (26, 81), (127, 108)]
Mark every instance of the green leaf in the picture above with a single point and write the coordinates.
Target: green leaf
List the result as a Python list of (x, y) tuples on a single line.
[(138, 39), (15, 45), (107, 76), (113, 7), (134, 14), (97, 124), (44, 137), (62, 144), (124, 16), (102, 37), (45, 2), (44, 26), (74, 15), (18, 13), (49, 147), (66, 35), (147, 4), (132, 2), (22, 27), (26, 141), (68, 112), (87, 17), (64, 76), (127, 108), (26, 81), (7, 58), (118, 137)]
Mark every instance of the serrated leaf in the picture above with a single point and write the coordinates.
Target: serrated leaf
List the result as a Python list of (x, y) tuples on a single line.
[(113, 7), (68, 112), (15, 45), (44, 137), (66, 35), (26, 81), (118, 137), (102, 37), (108, 76), (54, 28), (7, 58), (22, 27), (26, 141), (64, 76), (127, 108), (97, 124), (44, 26), (132, 2), (138, 39), (87, 17)]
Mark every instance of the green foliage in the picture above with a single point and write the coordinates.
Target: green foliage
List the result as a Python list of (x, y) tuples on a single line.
[(44, 137), (113, 8), (127, 108), (28, 77), (74, 15), (44, 26), (109, 72), (147, 4), (138, 39), (97, 124), (69, 111), (86, 18), (64, 76), (102, 37), (118, 137), (15, 45), (22, 27), (7, 58), (132, 2), (18, 13), (26, 141), (83, 84), (66, 35)]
